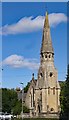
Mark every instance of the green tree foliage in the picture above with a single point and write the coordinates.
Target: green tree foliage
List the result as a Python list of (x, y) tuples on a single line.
[(10, 101), (17, 108), (27, 87), (9, 97), (64, 97), (25, 109)]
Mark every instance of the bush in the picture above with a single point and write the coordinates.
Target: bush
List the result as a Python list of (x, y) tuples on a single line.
[(25, 109)]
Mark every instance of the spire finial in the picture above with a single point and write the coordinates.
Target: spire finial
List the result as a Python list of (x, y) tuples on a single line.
[(46, 13), (46, 24), (33, 76)]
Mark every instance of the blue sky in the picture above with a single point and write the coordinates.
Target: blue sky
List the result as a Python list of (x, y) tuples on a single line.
[(22, 25), (35, 1)]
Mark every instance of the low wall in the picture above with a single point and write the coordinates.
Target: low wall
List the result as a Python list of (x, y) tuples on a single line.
[(41, 115), (50, 115)]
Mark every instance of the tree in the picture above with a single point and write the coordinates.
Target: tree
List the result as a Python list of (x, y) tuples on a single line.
[(27, 87), (64, 97), (17, 108), (10, 101), (25, 109)]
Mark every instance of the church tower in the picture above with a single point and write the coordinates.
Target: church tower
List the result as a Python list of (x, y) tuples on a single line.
[(47, 89)]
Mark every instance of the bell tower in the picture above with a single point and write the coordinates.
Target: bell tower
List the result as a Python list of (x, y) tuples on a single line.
[(47, 85)]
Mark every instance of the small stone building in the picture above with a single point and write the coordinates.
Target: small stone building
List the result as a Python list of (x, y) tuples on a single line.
[(43, 94)]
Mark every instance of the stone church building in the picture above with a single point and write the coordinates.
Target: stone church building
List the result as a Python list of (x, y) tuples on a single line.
[(42, 97), (43, 94)]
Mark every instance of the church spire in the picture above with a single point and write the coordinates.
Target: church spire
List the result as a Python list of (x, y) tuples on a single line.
[(46, 40), (46, 24)]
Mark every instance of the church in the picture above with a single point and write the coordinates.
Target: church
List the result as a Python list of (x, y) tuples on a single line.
[(43, 94)]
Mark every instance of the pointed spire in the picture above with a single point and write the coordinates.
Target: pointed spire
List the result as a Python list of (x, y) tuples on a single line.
[(46, 23), (46, 40)]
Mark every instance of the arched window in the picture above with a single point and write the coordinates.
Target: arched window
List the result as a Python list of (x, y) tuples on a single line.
[(53, 55), (49, 56), (51, 74), (33, 96), (49, 90), (41, 100), (52, 109), (54, 91), (41, 96), (41, 74), (31, 100), (45, 56)]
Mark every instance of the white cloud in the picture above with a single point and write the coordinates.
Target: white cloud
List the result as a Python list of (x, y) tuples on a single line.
[(56, 18), (30, 24), (17, 61)]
